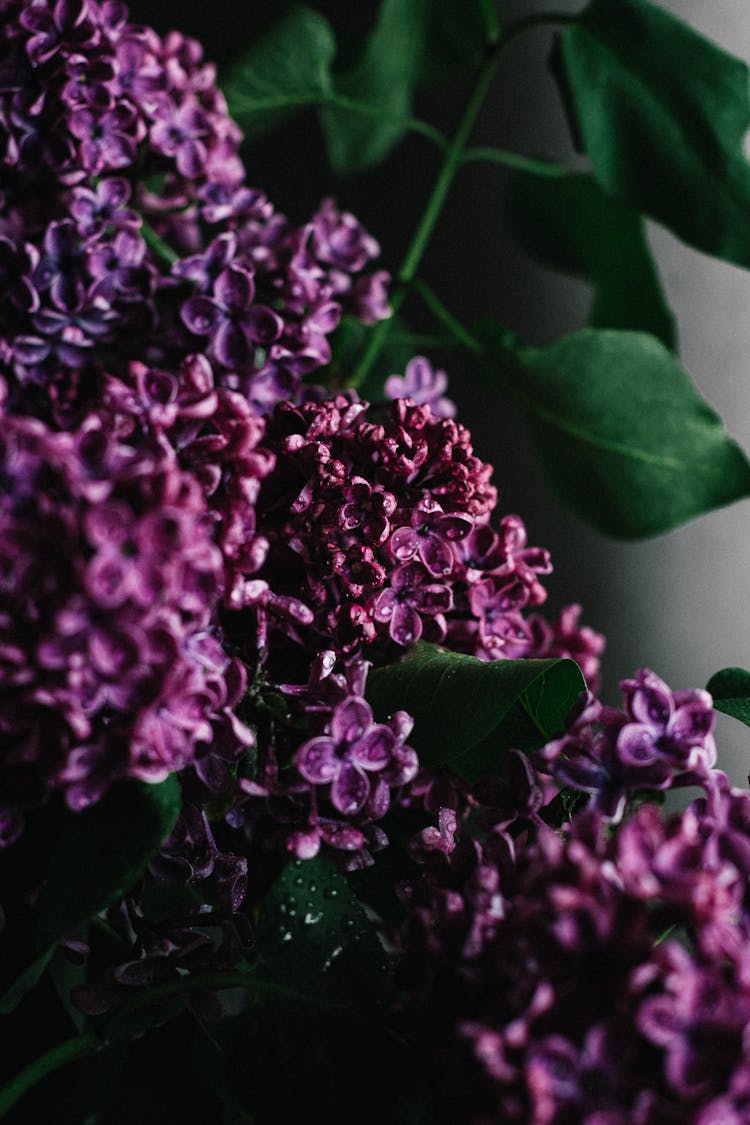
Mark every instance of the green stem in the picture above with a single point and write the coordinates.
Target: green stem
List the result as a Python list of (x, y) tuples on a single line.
[(491, 21), (418, 245), (240, 107), (61, 1055), (156, 243), (538, 19), (457, 331), (342, 101), (119, 1026), (489, 155)]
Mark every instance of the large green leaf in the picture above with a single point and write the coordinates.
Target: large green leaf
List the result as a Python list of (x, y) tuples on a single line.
[(287, 68), (622, 432), (97, 855), (315, 939), (731, 691), (383, 78), (468, 712), (365, 108), (320, 1014), (570, 223), (662, 114)]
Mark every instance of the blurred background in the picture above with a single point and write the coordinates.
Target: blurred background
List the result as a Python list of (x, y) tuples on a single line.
[(678, 603)]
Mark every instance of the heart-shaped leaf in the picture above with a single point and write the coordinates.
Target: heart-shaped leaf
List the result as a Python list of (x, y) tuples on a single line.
[(570, 223), (97, 855), (623, 434), (731, 691), (662, 114), (320, 1012), (287, 68), (467, 712)]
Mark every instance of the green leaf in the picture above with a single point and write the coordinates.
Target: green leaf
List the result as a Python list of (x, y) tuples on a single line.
[(570, 223), (467, 712), (383, 78), (625, 437), (97, 855), (731, 691), (662, 114), (411, 44), (287, 68), (315, 939), (320, 1014)]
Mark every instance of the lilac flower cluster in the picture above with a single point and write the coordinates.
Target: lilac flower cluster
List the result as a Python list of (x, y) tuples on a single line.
[(587, 976), (126, 224), (186, 919), (379, 527), (111, 662), (192, 538), (660, 738), (331, 788)]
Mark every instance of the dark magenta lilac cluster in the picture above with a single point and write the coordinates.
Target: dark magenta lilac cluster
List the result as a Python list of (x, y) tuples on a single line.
[(202, 555), (127, 229), (587, 974)]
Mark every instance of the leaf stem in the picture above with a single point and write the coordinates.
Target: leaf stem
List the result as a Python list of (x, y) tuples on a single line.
[(538, 19), (418, 245), (490, 155), (240, 107), (119, 1027), (457, 331), (156, 243), (415, 124), (64, 1053), (491, 21)]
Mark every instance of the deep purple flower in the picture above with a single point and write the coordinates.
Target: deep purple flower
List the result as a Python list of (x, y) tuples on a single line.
[(423, 385), (61, 267), (17, 267), (95, 209), (138, 74), (111, 582), (340, 240), (355, 747), (541, 977), (496, 604), (55, 27), (107, 139), (87, 83), (430, 536), (180, 132), (368, 507), (658, 738), (118, 268), (410, 597), (235, 324)]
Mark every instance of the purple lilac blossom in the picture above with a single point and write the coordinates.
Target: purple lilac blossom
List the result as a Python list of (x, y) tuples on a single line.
[(208, 932), (334, 787), (659, 739), (86, 97), (585, 975), (113, 665), (423, 385)]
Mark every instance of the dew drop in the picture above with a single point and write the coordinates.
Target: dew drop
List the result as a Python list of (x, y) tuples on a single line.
[(330, 892), (311, 919), (347, 922), (331, 958)]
